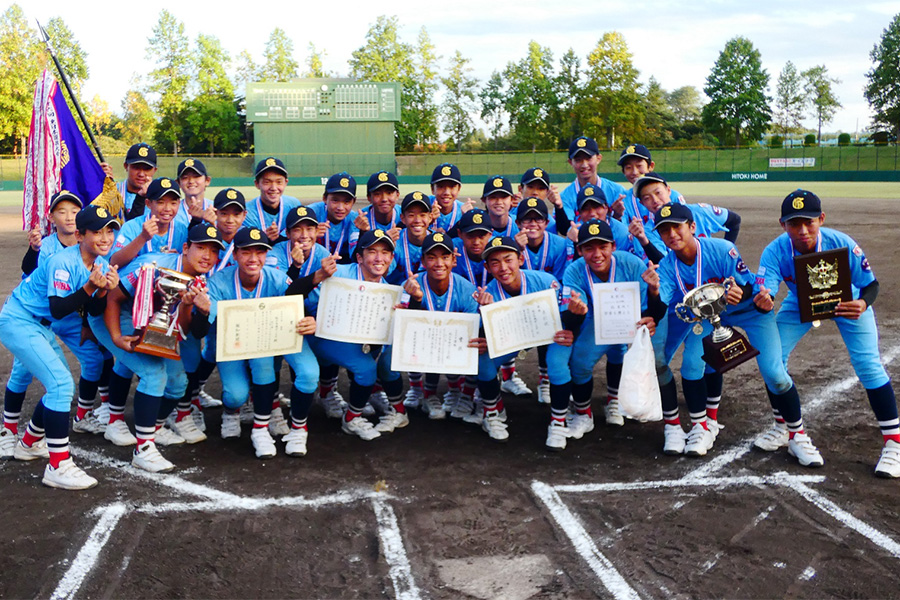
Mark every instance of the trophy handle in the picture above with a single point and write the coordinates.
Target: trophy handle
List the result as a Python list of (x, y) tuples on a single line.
[(685, 314), (728, 284)]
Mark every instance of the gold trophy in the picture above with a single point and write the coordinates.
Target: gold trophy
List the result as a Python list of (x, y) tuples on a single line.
[(724, 348), (160, 336)]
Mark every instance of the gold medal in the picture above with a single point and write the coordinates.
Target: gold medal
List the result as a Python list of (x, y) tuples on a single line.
[(366, 348), (698, 328), (817, 323)]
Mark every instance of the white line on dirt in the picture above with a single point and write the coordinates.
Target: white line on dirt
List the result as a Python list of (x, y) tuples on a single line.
[(394, 553), (251, 504), (820, 399), (775, 479), (864, 529), (90, 552), (584, 545)]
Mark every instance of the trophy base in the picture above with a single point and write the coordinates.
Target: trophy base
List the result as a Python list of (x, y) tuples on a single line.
[(155, 342), (726, 355)]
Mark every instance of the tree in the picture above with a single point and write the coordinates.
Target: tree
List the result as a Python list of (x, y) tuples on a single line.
[(421, 110), (659, 120), (491, 98), (685, 103), (567, 89), (169, 49), (612, 99), (736, 87), (71, 56), (99, 117), (883, 90), (459, 100), (138, 120), (821, 97), (529, 98), (790, 99), (314, 61), (280, 64), (19, 68), (212, 68), (212, 116)]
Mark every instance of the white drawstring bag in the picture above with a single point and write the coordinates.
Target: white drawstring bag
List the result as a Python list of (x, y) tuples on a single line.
[(639, 397)]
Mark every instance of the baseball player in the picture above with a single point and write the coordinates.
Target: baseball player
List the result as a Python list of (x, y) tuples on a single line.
[(157, 231), (446, 183), (584, 158), (635, 161), (415, 212), (194, 181), (383, 212), (593, 204), (140, 167), (337, 231), (71, 280), (268, 210), (535, 183), (693, 262), (802, 220)]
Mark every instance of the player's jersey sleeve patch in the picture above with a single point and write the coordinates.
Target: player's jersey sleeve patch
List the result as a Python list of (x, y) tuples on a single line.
[(61, 275)]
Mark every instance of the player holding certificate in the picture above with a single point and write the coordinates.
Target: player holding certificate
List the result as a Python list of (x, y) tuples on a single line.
[(600, 262), (250, 278), (374, 254), (503, 258)]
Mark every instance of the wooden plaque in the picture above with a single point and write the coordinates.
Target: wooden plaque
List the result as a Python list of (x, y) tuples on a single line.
[(823, 280)]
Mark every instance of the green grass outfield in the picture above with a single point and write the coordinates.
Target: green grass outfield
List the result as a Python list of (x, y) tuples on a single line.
[(773, 189)]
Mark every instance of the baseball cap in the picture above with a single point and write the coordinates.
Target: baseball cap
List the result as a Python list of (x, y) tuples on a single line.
[(298, 215), (446, 172), (637, 150), (535, 174), (341, 183), (590, 193), (800, 204), (474, 220), (94, 218), (269, 163), (141, 154), (497, 184), (672, 213), (648, 178), (199, 234), (501, 243), (532, 205), (161, 186), (247, 237), (229, 196), (583, 144), (595, 230), (437, 240), (367, 239), (382, 179), (64, 195), (414, 198), (191, 164)]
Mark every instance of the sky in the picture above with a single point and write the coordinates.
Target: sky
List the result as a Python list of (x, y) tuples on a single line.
[(676, 42)]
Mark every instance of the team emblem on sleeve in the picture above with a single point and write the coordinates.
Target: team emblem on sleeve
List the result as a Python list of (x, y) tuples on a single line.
[(733, 253)]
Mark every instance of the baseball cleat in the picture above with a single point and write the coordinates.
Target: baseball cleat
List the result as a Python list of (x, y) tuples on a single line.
[(579, 424), (451, 398), (37, 450), (414, 395), (463, 408), (102, 413), (207, 401), (119, 434), (775, 438), (68, 476), (167, 437), (231, 425), (676, 439), (8, 441), (148, 458), (360, 427), (888, 465), (433, 407), (278, 425), (801, 447), (197, 416), (515, 386), (544, 392), (557, 432), (391, 421), (88, 424), (495, 426), (263, 442), (334, 404), (700, 440), (188, 430), (295, 442), (611, 411)]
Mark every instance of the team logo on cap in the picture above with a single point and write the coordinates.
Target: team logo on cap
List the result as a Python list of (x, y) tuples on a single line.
[(498, 183), (101, 212), (532, 202), (189, 162), (382, 177), (142, 151), (379, 233), (211, 231), (165, 184), (446, 171), (254, 234), (270, 162), (797, 203), (538, 173), (594, 229), (581, 143), (496, 242), (344, 182), (438, 237), (666, 211), (231, 194), (417, 195), (301, 211), (477, 219), (630, 150), (589, 191)]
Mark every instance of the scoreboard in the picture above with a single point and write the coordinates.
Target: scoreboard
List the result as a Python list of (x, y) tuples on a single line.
[(322, 101)]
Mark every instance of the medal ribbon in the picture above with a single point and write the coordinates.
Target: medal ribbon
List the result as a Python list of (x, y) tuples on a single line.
[(543, 254), (374, 225), (237, 285), (471, 272), (699, 265), (223, 262), (428, 294), (522, 292), (340, 241), (590, 275), (262, 217), (169, 239)]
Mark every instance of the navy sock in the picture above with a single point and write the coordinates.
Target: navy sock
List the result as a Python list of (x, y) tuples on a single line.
[(146, 409), (559, 399), (300, 404), (695, 396), (12, 401)]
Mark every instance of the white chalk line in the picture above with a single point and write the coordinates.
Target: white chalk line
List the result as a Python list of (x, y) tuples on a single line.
[(571, 525), (90, 552), (820, 399), (741, 480), (400, 570)]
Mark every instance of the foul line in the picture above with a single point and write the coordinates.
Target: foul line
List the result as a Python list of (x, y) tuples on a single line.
[(392, 546)]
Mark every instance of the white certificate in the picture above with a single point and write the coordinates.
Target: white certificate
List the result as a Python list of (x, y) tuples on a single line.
[(434, 342), (521, 322), (357, 312), (617, 309), (258, 327)]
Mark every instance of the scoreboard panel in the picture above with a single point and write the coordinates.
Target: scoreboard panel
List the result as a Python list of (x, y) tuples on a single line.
[(320, 100)]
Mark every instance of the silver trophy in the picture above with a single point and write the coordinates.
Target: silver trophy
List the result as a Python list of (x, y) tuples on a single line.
[(724, 348), (159, 337)]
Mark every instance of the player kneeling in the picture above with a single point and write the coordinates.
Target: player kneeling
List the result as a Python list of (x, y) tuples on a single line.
[(802, 219)]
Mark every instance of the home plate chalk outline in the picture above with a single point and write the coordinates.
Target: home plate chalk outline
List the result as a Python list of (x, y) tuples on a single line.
[(213, 500), (604, 569)]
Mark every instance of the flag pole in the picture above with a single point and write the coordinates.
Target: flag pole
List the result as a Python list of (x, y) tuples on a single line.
[(65, 80)]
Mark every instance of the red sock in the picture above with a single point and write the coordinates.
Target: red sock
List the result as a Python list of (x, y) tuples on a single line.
[(179, 414), (350, 415), (712, 413), (704, 423), (399, 407), (140, 442), (29, 438), (113, 417), (196, 402), (80, 413), (14, 427), (675, 421), (611, 398), (507, 372), (894, 436), (58, 457), (585, 411), (791, 434)]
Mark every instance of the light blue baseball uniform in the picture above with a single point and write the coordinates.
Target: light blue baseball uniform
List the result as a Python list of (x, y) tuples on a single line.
[(173, 240), (369, 214), (340, 237), (473, 270), (569, 195), (259, 217), (552, 256)]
